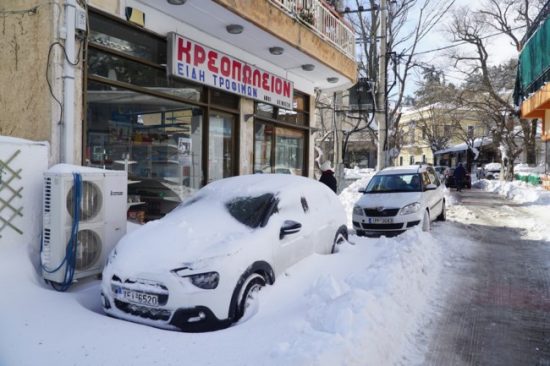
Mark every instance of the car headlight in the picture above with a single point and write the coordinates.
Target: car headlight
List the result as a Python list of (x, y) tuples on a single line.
[(358, 211), (409, 209), (206, 281)]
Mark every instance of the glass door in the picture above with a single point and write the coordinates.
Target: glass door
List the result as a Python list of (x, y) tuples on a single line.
[(221, 146)]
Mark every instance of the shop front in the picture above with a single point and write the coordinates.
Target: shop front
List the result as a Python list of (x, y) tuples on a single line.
[(170, 110)]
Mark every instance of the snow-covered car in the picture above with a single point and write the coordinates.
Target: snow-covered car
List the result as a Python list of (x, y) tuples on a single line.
[(399, 198), (199, 267), (492, 171)]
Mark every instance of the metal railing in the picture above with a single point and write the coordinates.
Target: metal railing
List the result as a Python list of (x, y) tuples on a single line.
[(321, 20)]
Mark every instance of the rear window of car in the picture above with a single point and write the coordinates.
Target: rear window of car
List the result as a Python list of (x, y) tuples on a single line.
[(251, 211)]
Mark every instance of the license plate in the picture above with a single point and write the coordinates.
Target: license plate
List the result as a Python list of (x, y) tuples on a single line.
[(140, 297), (380, 220)]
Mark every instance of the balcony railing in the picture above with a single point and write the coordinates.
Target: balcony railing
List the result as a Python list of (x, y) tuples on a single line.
[(318, 17)]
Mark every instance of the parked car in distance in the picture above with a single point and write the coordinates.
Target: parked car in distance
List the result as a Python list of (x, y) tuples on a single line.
[(450, 179), (441, 170), (397, 199), (199, 267), (492, 171)]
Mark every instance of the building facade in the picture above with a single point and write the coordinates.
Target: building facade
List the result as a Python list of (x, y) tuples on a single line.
[(532, 92), (440, 135), (177, 92)]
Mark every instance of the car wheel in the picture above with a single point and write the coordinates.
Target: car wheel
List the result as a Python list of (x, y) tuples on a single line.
[(443, 215), (340, 237), (360, 233), (426, 225), (248, 299)]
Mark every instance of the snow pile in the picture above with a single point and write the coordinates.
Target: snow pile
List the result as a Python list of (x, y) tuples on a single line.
[(351, 194), (358, 173), (517, 191), (375, 310)]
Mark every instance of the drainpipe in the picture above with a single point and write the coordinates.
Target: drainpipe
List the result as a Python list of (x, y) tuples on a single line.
[(68, 138)]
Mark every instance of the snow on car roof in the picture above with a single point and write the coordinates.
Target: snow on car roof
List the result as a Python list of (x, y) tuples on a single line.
[(407, 169), (255, 184)]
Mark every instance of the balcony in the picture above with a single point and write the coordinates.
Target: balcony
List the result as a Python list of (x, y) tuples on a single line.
[(323, 19)]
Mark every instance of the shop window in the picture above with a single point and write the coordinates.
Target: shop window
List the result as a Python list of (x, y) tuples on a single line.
[(120, 69), (221, 146), (263, 140), (278, 149), (121, 37), (158, 141), (223, 99), (299, 115)]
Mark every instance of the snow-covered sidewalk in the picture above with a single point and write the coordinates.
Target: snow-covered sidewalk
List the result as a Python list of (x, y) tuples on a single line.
[(366, 305)]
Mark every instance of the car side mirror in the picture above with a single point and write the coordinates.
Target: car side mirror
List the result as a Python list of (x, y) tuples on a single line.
[(431, 187), (289, 227)]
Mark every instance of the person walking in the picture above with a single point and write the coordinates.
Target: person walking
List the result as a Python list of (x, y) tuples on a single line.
[(459, 175), (327, 176)]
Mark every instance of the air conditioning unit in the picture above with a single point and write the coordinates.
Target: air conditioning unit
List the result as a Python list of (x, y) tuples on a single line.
[(79, 246)]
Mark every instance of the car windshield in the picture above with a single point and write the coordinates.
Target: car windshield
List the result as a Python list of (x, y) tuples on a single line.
[(251, 211), (394, 183)]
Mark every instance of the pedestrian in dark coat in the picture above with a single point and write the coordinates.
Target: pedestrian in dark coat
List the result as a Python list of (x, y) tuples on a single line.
[(459, 175), (327, 176)]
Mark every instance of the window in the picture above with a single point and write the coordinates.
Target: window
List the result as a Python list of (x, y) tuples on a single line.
[(151, 125), (253, 211), (221, 145), (158, 141), (299, 115), (117, 68), (400, 160), (411, 160), (129, 40), (278, 149), (470, 131)]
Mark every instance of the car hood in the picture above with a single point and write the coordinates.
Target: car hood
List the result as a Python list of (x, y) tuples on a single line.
[(182, 240), (388, 200)]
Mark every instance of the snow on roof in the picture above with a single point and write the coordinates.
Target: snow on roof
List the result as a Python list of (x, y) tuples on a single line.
[(463, 146)]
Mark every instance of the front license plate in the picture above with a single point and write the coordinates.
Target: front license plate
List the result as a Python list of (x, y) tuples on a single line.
[(380, 220), (140, 297)]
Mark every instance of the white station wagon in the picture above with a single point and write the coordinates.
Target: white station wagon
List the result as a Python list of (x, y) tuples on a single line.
[(399, 198), (198, 267)]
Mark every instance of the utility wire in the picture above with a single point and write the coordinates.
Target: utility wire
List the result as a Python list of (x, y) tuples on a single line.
[(464, 42)]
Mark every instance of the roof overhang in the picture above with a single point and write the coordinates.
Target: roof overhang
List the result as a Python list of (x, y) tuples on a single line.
[(536, 104), (264, 26)]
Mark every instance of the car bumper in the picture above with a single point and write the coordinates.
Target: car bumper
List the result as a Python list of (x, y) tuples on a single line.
[(365, 225), (195, 319), (178, 306)]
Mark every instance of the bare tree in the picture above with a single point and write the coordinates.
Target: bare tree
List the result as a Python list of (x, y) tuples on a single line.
[(509, 17), (403, 38)]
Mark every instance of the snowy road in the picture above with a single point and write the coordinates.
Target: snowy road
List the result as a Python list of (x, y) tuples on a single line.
[(495, 305)]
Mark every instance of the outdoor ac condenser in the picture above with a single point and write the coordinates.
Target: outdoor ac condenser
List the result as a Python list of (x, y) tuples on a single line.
[(101, 220)]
